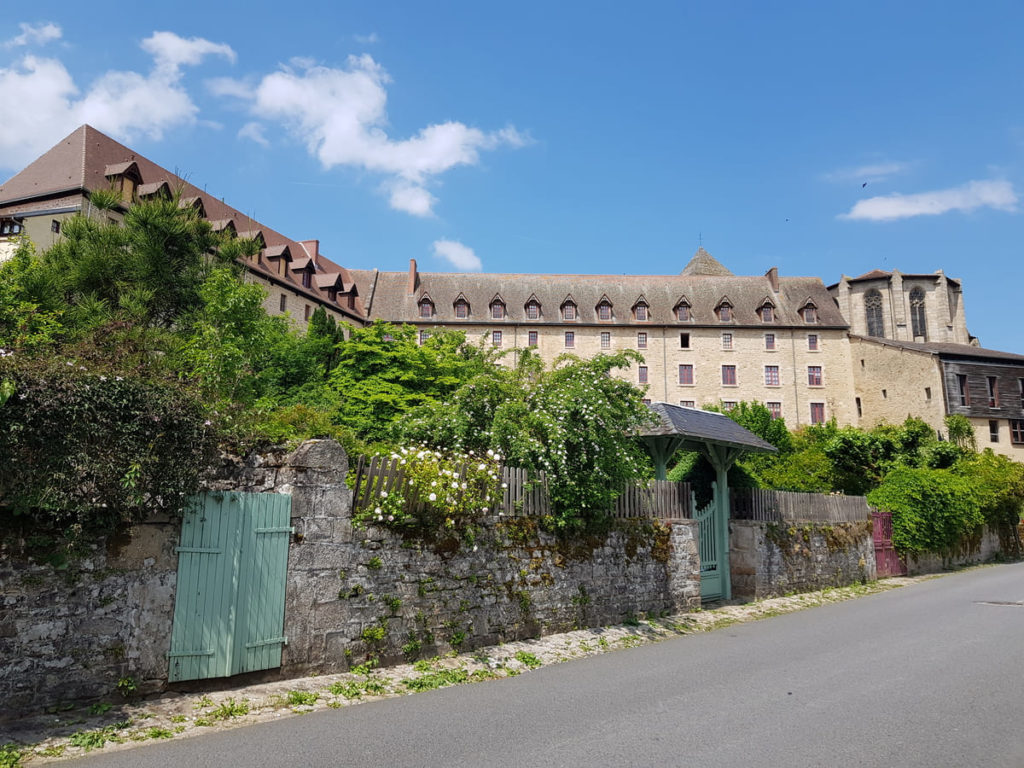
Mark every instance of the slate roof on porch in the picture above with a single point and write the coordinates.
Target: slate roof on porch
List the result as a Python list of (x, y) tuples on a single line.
[(698, 427)]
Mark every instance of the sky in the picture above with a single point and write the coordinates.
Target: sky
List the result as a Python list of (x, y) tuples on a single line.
[(611, 138)]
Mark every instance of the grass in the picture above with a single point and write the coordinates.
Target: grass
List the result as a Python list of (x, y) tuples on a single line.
[(231, 708), (440, 678), (96, 739), (529, 659), (302, 698)]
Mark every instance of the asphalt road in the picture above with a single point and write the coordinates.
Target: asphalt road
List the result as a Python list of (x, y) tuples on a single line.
[(928, 675)]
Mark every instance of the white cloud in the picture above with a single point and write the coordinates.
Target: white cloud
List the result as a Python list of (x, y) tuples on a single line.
[(124, 104), (253, 131), (459, 255), (968, 197), (867, 173), (39, 34), (369, 39), (340, 115)]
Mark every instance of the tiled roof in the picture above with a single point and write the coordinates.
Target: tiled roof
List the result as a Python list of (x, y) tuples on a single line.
[(84, 158), (697, 426), (946, 349), (392, 301), (703, 263)]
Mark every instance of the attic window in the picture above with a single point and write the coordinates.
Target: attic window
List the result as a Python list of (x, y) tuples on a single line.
[(640, 312), (307, 279), (461, 309), (426, 308), (532, 310), (810, 313), (767, 313), (497, 310), (604, 310), (683, 313), (724, 312), (568, 311)]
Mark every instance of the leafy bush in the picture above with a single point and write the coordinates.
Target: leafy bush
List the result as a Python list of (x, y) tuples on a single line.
[(932, 509), (998, 485)]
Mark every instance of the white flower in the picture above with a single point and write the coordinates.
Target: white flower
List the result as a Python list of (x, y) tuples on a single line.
[(504, 485), (490, 452), (463, 486), (484, 509), (474, 547), (377, 511), (391, 517), (482, 467), (432, 497), (433, 483), (383, 494)]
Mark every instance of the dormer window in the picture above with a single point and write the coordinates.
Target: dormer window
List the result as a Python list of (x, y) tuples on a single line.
[(604, 310), (809, 313), (683, 313), (724, 312), (497, 310), (641, 311), (307, 279), (767, 313), (157, 189), (124, 179), (569, 311), (426, 307), (532, 309), (461, 308)]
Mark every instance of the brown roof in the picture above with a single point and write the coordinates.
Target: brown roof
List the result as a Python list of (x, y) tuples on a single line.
[(151, 189), (303, 263), (82, 161), (703, 263), (392, 301), (946, 349)]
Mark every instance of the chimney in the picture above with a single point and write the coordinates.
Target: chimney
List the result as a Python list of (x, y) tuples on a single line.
[(413, 276), (313, 249), (773, 278)]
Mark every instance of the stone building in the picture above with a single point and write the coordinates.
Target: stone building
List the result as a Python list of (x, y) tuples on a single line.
[(38, 200), (866, 350)]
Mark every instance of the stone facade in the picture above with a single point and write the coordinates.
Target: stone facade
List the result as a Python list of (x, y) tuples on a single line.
[(892, 383), (771, 559), (986, 546), (73, 634)]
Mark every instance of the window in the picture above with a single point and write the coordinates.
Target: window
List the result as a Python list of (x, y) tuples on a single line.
[(604, 311), (817, 413), (1020, 387), (860, 408), (495, 338), (812, 344), (725, 313), (606, 340), (885, 394), (305, 313), (307, 279), (917, 318), (641, 312), (729, 375), (570, 339), (569, 311), (993, 431), (965, 393), (531, 338), (775, 409), (927, 393), (993, 392), (424, 335), (814, 375), (873, 313), (284, 303), (728, 405), (1017, 431), (687, 403), (426, 308), (767, 313), (769, 341), (55, 226), (497, 311), (642, 374), (686, 374), (684, 343), (771, 375), (726, 341), (641, 340), (9, 227), (462, 309), (532, 310), (810, 314), (683, 313)]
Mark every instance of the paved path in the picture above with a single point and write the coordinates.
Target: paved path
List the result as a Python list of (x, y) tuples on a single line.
[(929, 675)]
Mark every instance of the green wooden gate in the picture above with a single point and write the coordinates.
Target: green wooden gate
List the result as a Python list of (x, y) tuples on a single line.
[(232, 567), (708, 544)]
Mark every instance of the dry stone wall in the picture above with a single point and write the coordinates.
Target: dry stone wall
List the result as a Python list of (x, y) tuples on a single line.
[(771, 559)]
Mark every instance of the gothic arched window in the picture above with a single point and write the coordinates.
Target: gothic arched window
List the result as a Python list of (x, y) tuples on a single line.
[(873, 313), (917, 318)]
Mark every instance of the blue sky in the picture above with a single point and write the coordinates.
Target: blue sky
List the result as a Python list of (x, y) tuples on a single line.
[(568, 137)]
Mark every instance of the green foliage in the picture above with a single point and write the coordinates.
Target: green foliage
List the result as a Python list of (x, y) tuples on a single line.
[(997, 484), (230, 709), (302, 698), (91, 450), (440, 678), (960, 431), (127, 687), (931, 508), (10, 756), (90, 740), (528, 659)]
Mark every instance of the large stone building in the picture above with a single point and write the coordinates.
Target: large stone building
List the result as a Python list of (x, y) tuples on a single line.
[(866, 350)]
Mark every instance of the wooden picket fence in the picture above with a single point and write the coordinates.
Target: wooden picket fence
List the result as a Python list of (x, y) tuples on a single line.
[(525, 495), (787, 506)]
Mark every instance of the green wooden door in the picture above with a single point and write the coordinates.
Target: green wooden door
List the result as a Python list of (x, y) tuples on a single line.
[(232, 568)]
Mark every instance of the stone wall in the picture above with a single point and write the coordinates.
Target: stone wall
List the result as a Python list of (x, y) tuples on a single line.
[(72, 634), (770, 559), (987, 546)]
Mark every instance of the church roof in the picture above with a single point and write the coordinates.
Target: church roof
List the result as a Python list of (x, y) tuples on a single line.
[(703, 263)]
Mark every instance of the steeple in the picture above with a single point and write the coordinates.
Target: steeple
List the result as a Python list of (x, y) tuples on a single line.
[(703, 263)]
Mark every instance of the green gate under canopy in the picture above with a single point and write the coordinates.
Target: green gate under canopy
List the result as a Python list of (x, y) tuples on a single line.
[(721, 441)]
